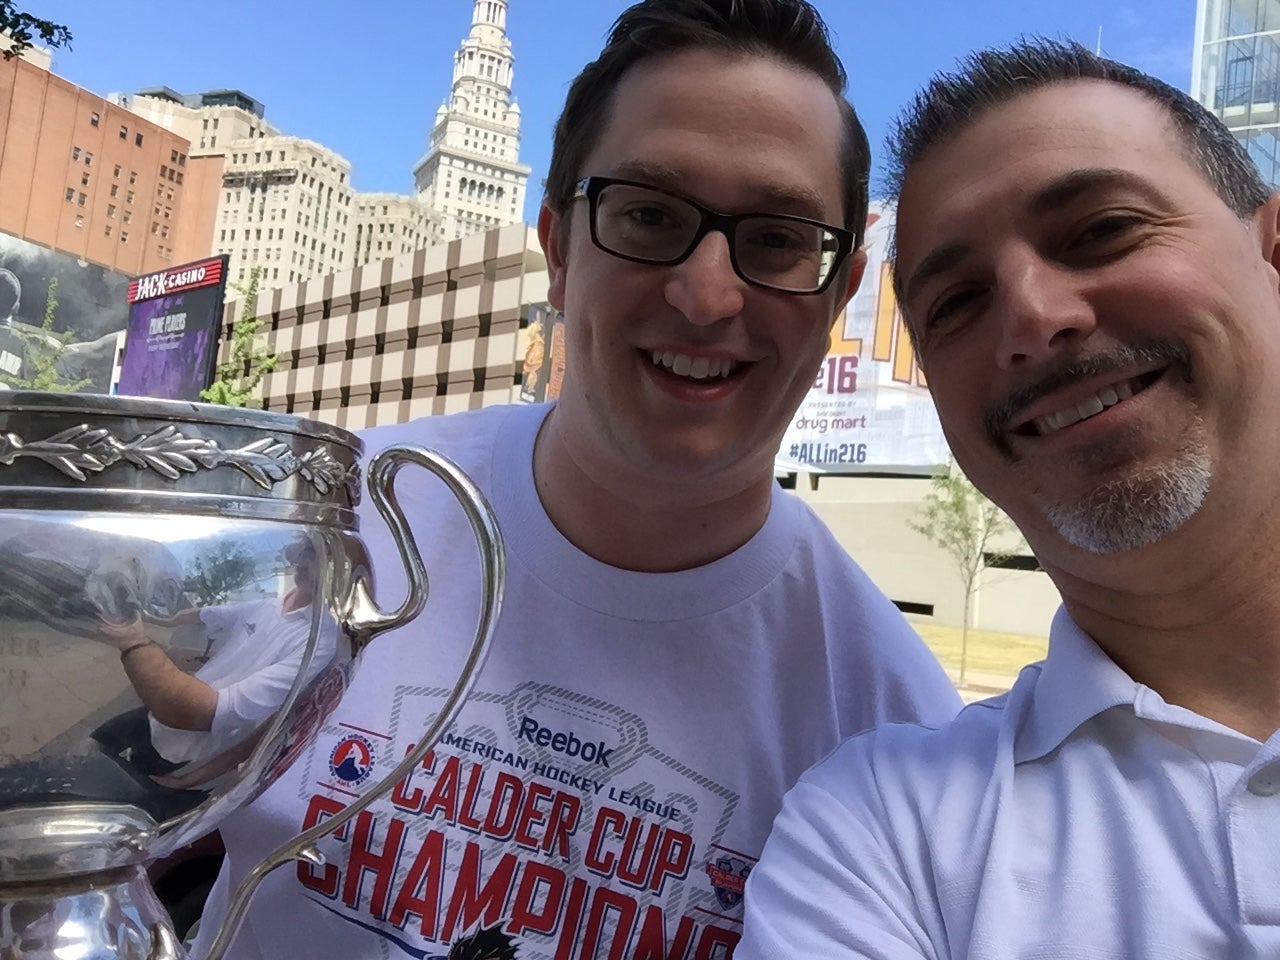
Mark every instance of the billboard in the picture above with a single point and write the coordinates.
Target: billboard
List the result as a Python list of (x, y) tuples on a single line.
[(174, 319), (543, 355), (76, 347), (869, 409)]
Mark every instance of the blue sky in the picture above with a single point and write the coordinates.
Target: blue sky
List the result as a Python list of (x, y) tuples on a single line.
[(365, 78)]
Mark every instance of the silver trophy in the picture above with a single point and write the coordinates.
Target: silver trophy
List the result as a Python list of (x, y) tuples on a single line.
[(183, 596)]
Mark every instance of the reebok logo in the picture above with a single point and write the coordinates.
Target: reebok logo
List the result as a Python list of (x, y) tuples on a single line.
[(562, 742)]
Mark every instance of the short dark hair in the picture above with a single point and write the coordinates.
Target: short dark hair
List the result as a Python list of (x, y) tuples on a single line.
[(951, 101), (485, 944), (790, 31)]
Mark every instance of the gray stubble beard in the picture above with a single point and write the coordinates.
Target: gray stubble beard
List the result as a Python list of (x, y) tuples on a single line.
[(1138, 509)]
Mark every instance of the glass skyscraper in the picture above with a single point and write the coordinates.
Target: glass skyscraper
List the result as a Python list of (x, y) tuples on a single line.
[(1236, 73)]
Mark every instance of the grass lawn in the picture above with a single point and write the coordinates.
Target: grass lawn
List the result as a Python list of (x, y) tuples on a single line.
[(991, 655)]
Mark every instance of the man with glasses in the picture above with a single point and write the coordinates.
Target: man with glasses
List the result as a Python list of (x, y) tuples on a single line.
[(680, 637)]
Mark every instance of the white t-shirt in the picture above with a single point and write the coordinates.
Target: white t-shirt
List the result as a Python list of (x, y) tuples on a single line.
[(611, 780), (1079, 815), (255, 650)]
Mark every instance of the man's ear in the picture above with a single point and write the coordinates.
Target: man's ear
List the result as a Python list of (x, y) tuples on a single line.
[(550, 230), (857, 267)]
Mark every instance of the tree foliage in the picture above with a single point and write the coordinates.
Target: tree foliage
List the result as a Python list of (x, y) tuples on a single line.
[(23, 29), (237, 378), (44, 349), (219, 574), (968, 527)]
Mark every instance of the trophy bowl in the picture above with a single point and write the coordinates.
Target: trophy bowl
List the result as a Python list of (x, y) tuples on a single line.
[(183, 598)]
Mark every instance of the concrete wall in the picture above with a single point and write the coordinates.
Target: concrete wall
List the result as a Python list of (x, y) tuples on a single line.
[(871, 517)]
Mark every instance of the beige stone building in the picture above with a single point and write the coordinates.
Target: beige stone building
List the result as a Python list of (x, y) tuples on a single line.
[(286, 206), (472, 176), (211, 121), (388, 224)]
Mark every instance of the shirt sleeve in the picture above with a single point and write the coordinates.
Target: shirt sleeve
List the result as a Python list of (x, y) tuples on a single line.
[(824, 887), (255, 697)]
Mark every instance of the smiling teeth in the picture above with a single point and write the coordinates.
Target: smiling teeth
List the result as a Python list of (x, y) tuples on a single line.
[(696, 368), (1090, 406)]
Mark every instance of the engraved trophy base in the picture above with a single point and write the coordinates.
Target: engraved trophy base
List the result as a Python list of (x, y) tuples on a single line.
[(110, 915)]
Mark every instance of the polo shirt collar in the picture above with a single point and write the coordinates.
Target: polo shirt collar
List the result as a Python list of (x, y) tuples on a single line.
[(1076, 682)]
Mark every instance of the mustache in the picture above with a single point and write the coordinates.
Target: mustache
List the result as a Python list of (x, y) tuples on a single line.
[(1071, 369)]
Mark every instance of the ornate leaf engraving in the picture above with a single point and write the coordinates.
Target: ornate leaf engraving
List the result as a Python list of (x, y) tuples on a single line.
[(82, 450)]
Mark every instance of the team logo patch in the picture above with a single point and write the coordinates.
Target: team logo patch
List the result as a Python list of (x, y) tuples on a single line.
[(352, 759), (729, 878)]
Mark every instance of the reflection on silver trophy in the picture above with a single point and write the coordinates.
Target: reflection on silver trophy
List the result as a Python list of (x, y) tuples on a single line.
[(183, 596)]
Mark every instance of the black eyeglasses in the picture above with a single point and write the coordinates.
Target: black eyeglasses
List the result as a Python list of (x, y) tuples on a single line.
[(634, 221)]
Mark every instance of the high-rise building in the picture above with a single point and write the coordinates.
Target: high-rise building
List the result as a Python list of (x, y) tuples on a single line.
[(388, 224), (471, 176), (211, 121), (287, 207), (80, 174), (1236, 73)]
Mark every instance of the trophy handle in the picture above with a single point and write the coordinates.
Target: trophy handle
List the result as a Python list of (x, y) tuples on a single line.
[(365, 619)]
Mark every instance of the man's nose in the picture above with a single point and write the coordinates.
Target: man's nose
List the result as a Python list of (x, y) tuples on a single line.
[(1041, 309), (705, 287)]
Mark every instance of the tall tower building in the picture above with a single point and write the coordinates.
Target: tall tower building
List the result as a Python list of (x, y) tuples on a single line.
[(471, 176), (1236, 74)]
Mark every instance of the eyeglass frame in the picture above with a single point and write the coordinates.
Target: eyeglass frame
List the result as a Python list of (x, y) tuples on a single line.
[(590, 188)]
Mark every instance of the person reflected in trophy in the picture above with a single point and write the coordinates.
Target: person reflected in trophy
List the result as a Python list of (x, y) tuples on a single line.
[(192, 727)]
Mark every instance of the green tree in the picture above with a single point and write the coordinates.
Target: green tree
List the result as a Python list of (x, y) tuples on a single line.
[(217, 575), (237, 378), (44, 349), (22, 29), (968, 527)]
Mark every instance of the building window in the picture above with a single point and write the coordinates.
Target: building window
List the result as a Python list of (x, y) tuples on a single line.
[(173, 156), (79, 220), (71, 194), (124, 132), (84, 179), (128, 215), (106, 231), (124, 236), (115, 189), (111, 209), (80, 200), (88, 159), (133, 177), (94, 118), (128, 197), (137, 142), (116, 172), (75, 153)]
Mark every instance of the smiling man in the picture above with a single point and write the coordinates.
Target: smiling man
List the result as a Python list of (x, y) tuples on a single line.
[(1089, 265), (680, 638)]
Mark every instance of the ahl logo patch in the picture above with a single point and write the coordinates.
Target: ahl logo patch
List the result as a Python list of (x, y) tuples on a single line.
[(729, 878), (352, 759)]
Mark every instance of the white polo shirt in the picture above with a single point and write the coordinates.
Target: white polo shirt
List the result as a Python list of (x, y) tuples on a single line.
[(1077, 816)]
